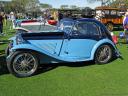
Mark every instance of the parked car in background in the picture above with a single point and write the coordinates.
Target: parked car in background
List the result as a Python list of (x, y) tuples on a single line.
[(34, 27), (110, 17), (85, 40)]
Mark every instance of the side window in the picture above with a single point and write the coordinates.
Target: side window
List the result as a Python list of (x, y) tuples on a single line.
[(93, 28), (106, 12), (113, 12), (86, 28)]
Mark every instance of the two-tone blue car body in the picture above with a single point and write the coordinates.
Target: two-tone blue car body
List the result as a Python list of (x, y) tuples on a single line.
[(74, 41)]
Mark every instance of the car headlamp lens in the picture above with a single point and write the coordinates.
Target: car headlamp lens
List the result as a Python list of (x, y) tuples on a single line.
[(19, 39), (10, 44)]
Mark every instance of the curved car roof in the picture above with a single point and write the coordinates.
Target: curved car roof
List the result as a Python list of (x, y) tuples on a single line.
[(80, 19), (88, 19)]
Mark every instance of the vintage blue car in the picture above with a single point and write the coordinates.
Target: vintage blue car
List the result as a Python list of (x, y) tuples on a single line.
[(74, 41)]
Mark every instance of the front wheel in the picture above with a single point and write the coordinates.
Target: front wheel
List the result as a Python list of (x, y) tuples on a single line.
[(103, 54), (23, 64)]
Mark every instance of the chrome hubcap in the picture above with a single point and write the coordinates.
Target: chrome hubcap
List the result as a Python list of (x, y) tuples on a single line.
[(24, 63), (104, 53)]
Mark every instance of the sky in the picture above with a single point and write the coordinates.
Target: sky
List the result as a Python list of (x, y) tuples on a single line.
[(58, 3), (79, 3)]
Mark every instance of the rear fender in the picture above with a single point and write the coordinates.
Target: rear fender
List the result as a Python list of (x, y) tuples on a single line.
[(101, 42)]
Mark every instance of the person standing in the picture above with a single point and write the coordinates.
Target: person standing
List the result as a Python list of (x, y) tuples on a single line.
[(60, 16), (1, 23), (5, 19), (125, 25), (13, 19)]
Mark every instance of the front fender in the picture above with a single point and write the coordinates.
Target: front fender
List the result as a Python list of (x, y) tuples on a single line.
[(101, 42), (34, 48), (29, 47)]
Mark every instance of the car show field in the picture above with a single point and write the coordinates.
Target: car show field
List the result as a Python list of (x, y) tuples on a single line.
[(74, 79)]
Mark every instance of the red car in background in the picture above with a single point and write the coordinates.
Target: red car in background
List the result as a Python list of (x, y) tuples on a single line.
[(52, 22)]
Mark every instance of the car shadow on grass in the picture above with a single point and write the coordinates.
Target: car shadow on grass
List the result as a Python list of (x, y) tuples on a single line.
[(45, 68), (48, 67), (78, 64), (3, 67)]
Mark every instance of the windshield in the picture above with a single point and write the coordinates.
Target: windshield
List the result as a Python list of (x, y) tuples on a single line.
[(65, 26), (40, 27)]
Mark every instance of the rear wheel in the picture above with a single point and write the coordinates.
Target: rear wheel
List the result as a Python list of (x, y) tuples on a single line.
[(103, 54), (110, 26), (23, 64)]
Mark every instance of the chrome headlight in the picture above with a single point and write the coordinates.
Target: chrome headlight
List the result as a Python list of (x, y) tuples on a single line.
[(19, 39), (10, 44)]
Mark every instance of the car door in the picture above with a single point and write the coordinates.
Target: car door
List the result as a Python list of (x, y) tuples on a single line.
[(80, 42), (49, 42)]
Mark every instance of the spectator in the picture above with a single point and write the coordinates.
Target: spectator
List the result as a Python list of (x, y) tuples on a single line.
[(1, 23), (125, 25), (13, 18), (60, 16), (5, 19)]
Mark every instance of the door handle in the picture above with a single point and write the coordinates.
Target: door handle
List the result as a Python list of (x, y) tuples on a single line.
[(65, 52)]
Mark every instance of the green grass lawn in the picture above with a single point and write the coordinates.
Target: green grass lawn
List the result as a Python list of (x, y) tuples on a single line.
[(67, 80)]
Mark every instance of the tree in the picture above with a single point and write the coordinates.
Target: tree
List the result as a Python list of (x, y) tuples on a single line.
[(45, 5), (64, 6), (121, 4), (24, 5), (5, 5), (92, 1), (32, 7), (103, 2), (74, 7)]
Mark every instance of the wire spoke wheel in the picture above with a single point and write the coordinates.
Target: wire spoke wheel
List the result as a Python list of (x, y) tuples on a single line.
[(24, 64), (104, 54)]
